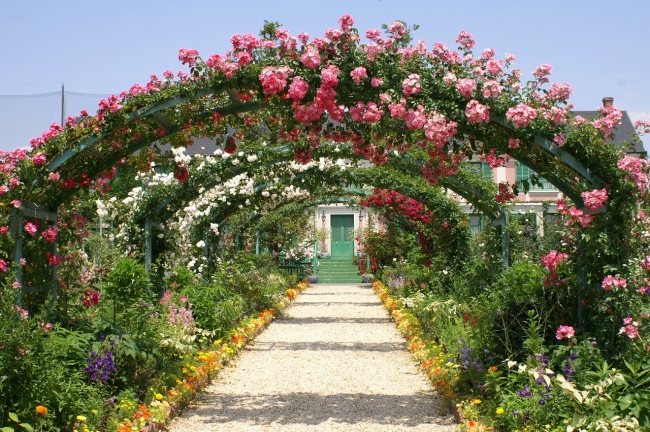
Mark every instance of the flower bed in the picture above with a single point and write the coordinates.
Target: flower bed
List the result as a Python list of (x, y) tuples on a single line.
[(200, 368)]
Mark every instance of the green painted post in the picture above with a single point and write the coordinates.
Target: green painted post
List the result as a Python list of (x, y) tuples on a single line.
[(257, 243), (505, 240), (147, 244), (54, 283), (17, 233)]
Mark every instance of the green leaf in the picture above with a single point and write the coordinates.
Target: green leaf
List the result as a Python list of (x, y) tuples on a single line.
[(625, 402), (8, 429), (26, 426), (14, 417)]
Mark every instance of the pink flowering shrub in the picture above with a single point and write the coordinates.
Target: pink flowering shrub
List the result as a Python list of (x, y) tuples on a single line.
[(358, 74), (611, 282), (188, 56), (274, 80), (630, 328), (477, 113), (642, 127), (39, 159), (411, 85), (31, 229), (298, 89), (311, 58), (521, 115), (466, 87), (595, 199)]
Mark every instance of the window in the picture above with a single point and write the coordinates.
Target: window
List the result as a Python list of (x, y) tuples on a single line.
[(524, 173), (481, 168), (476, 223)]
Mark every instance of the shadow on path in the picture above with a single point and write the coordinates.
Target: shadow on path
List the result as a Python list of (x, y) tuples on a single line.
[(314, 409)]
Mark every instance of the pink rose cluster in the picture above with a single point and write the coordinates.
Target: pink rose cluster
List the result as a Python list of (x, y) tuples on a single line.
[(542, 71), (466, 40), (188, 56), (564, 332), (521, 115), (595, 199), (362, 112), (358, 74), (50, 234), (553, 260), (39, 159), (611, 282), (31, 229), (576, 216), (612, 117), (298, 89), (477, 113), (642, 127), (411, 85), (274, 80), (466, 87), (636, 167), (630, 328), (560, 92), (492, 89)]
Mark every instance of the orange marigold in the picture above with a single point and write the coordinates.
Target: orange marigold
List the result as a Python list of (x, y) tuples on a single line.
[(41, 410)]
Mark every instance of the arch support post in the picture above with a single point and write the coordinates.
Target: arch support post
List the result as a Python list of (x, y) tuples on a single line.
[(257, 243), (148, 245), (17, 233), (314, 262), (505, 241)]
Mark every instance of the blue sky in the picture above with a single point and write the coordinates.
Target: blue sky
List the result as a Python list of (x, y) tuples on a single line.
[(598, 47)]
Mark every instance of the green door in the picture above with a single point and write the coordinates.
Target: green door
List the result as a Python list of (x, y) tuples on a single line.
[(342, 235)]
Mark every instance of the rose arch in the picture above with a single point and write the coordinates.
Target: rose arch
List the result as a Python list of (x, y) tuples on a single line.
[(406, 108)]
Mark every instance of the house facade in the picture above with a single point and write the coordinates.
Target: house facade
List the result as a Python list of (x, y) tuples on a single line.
[(536, 206)]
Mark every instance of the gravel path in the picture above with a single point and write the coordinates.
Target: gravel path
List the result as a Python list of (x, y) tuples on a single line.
[(333, 362)]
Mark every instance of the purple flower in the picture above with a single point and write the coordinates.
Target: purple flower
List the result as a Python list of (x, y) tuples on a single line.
[(525, 393)]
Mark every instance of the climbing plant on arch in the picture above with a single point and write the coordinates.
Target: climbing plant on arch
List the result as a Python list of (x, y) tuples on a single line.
[(260, 190), (385, 97)]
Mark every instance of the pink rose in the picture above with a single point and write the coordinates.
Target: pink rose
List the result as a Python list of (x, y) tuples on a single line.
[(311, 58), (31, 229), (358, 74), (565, 332), (411, 85), (39, 159)]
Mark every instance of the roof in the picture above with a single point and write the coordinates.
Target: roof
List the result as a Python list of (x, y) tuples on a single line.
[(624, 134)]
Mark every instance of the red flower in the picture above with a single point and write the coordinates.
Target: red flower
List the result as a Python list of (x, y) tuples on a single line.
[(181, 174)]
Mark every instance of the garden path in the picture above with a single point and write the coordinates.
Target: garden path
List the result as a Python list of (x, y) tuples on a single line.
[(333, 362)]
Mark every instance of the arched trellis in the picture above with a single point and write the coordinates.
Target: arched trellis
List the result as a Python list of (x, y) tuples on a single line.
[(212, 92), (448, 105), (314, 180)]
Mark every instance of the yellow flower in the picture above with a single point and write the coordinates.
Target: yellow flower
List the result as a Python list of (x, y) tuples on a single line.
[(41, 410), (476, 401), (159, 396), (94, 412), (81, 418), (500, 411)]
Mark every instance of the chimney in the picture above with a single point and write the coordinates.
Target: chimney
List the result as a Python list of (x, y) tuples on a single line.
[(608, 102)]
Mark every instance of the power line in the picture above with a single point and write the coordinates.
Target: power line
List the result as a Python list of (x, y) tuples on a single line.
[(57, 93), (24, 96)]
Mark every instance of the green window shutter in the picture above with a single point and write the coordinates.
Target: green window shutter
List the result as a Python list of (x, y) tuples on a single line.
[(523, 172), (486, 171)]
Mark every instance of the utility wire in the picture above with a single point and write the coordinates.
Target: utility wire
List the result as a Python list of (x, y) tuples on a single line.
[(58, 93)]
